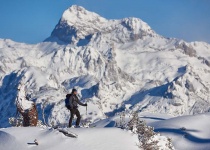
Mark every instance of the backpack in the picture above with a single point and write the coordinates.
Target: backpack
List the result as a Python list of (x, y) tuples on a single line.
[(67, 101)]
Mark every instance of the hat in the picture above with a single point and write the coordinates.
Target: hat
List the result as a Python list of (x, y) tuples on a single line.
[(74, 90)]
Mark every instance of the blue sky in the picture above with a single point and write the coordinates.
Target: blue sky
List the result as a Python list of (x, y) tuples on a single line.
[(32, 21)]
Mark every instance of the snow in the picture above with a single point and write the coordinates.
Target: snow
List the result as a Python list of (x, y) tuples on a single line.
[(8, 142), (21, 99), (76, 14), (89, 139), (124, 62), (116, 65), (196, 136)]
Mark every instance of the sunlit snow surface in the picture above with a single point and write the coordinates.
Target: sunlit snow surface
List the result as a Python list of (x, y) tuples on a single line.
[(189, 132), (112, 63), (89, 139), (186, 132)]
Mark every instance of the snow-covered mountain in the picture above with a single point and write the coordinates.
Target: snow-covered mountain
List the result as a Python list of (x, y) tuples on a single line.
[(113, 63)]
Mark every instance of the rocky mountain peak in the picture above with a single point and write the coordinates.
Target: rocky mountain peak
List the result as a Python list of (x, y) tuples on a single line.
[(78, 23)]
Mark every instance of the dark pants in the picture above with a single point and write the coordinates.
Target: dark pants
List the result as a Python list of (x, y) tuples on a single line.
[(77, 113)]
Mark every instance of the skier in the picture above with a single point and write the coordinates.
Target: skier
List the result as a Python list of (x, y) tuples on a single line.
[(73, 101)]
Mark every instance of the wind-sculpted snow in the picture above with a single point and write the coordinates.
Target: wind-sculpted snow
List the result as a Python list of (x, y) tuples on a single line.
[(112, 63), (9, 142), (50, 139)]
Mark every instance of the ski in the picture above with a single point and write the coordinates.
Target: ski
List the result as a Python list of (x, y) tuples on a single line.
[(66, 132)]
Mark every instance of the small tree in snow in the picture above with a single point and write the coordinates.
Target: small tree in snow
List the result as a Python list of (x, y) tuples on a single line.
[(16, 122), (43, 111), (148, 139), (121, 123), (122, 120), (86, 123)]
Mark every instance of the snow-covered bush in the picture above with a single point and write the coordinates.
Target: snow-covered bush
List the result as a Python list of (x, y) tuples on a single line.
[(41, 124), (148, 139), (86, 123), (16, 122), (122, 119), (121, 122)]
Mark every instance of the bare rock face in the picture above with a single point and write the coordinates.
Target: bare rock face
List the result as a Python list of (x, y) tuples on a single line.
[(64, 32), (30, 116), (205, 61), (77, 24), (188, 50)]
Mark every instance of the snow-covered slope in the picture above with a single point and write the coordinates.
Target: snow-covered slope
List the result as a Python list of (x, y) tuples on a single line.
[(187, 132), (89, 139), (113, 64)]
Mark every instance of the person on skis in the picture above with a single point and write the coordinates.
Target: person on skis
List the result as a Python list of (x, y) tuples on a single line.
[(73, 104)]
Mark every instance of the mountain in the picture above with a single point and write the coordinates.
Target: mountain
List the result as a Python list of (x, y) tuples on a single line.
[(77, 26), (114, 64)]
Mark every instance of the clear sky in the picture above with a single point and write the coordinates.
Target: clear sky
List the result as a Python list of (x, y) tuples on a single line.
[(32, 21)]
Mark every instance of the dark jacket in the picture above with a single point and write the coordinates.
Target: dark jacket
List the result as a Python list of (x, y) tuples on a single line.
[(73, 101)]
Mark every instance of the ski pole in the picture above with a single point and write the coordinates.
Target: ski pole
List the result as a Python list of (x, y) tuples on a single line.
[(86, 110)]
